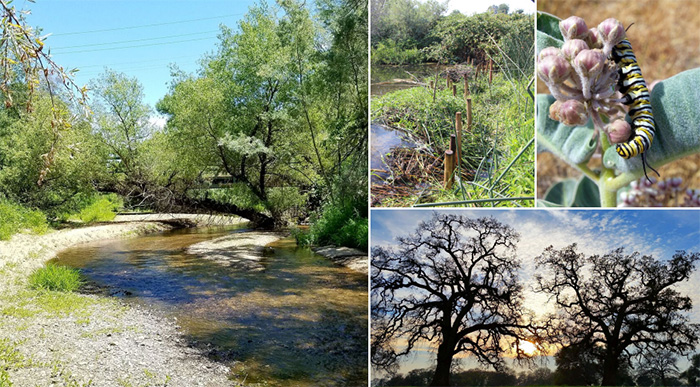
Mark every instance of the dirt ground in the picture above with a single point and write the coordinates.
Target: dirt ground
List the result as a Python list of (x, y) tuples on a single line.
[(666, 41)]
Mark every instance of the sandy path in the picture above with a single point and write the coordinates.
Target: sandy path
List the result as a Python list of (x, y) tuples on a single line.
[(72, 339)]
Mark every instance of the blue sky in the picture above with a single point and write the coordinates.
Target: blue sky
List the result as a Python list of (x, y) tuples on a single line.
[(648, 231), (172, 31)]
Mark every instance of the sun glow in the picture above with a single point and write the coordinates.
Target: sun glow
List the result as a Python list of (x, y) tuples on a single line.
[(528, 348)]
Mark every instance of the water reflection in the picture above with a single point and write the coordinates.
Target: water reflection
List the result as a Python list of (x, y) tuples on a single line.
[(302, 320), (384, 139)]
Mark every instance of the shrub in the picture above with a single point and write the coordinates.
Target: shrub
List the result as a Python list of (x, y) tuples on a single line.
[(55, 277), (15, 218), (341, 225), (103, 208)]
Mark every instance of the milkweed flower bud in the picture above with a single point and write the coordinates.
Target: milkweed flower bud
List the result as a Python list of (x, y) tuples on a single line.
[(676, 182), (619, 131), (571, 48), (594, 39), (573, 28), (553, 69), (549, 51), (590, 63), (554, 110), (573, 113), (611, 31)]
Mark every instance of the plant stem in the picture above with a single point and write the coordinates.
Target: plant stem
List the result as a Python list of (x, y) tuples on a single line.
[(608, 194)]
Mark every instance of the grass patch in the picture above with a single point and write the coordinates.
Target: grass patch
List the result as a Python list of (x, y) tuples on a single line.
[(341, 225), (15, 218), (103, 208), (55, 277)]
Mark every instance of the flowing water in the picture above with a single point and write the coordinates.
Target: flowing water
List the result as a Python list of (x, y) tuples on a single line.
[(300, 321)]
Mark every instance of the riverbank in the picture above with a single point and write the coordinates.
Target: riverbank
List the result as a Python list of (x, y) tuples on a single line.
[(53, 338)]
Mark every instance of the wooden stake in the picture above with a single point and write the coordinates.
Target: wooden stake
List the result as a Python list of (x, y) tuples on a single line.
[(466, 87), (449, 83), (469, 114), (454, 90), (490, 71), (458, 128), (432, 85), (449, 169)]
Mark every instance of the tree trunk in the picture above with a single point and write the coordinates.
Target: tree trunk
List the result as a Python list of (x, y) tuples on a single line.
[(610, 371), (444, 363)]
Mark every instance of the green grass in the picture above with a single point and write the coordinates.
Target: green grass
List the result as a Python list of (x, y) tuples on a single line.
[(55, 277), (103, 208), (15, 218), (341, 225)]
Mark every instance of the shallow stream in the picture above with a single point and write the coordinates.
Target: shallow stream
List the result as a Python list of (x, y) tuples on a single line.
[(302, 320)]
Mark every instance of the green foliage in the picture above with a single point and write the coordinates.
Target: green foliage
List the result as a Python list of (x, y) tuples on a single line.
[(572, 193), (389, 52), (56, 278), (341, 225), (15, 218), (102, 209), (406, 21)]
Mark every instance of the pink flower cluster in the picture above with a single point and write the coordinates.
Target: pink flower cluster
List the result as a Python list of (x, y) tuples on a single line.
[(653, 193), (583, 78)]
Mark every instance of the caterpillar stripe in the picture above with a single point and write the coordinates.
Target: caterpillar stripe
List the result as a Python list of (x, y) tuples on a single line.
[(635, 93)]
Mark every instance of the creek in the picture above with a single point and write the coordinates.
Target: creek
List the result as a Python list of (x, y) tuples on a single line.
[(298, 320)]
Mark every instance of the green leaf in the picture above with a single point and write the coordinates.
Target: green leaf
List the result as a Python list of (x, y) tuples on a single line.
[(587, 193), (548, 33), (561, 193), (572, 144), (572, 193), (675, 104)]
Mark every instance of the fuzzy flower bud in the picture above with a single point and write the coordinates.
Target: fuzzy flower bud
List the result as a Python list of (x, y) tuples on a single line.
[(553, 69), (611, 31), (573, 113), (676, 182), (554, 110), (594, 38), (590, 63), (619, 131), (571, 48), (548, 51), (573, 28)]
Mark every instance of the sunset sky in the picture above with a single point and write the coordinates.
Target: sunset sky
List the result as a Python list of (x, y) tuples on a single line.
[(651, 232)]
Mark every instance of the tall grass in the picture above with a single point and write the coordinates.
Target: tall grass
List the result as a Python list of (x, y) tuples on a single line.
[(338, 224), (55, 277), (15, 218)]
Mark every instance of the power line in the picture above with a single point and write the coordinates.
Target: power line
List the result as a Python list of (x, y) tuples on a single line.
[(140, 61), (138, 45), (147, 25), (134, 40)]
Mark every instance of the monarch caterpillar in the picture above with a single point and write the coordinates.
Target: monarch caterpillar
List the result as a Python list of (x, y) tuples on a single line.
[(635, 93)]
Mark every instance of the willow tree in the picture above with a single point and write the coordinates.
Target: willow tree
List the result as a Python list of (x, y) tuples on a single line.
[(270, 111)]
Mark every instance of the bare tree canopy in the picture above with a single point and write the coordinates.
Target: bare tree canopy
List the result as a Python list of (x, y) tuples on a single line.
[(621, 305), (453, 282)]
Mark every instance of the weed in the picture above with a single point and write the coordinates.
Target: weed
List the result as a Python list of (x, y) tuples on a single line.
[(55, 277), (15, 218)]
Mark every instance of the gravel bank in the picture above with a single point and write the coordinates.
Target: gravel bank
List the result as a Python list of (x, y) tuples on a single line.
[(352, 258), (49, 339), (243, 250)]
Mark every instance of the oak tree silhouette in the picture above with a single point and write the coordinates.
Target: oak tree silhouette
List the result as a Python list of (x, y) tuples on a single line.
[(623, 305), (454, 282)]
